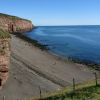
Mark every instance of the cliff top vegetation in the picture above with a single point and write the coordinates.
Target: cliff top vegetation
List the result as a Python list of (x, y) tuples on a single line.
[(4, 34), (12, 17)]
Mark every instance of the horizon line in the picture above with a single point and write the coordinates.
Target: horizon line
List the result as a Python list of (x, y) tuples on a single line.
[(70, 25)]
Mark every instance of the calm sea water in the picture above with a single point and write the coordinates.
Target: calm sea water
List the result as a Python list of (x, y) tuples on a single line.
[(78, 42)]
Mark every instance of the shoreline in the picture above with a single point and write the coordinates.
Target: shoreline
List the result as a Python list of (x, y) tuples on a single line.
[(34, 42), (90, 65), (41, 46)]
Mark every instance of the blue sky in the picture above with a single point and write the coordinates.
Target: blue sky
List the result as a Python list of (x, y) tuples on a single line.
[(54, 12)]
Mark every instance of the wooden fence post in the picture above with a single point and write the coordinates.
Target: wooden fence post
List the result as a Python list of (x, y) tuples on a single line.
[(96, 79), (73, 84), (40, 92), (3, 97)]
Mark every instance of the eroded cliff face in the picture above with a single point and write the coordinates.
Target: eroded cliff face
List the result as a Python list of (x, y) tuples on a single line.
[(4, 60), (9, 24), (14, 24)]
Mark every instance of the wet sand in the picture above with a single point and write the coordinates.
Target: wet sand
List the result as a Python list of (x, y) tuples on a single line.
[(32, 68)]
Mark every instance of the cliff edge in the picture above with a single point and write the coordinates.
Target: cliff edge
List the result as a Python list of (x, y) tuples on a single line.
[(14, 24), (9, 24)]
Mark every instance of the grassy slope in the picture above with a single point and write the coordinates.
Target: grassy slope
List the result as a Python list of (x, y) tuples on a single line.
[(87, 91), (4, 34)]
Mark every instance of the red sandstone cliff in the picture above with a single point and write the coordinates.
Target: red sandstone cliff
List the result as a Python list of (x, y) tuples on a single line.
[(4, 60), (9, 24), (14, 24)]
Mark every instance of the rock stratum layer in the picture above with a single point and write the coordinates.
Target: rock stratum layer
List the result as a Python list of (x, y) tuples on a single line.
[(9, 24), (14, 24)]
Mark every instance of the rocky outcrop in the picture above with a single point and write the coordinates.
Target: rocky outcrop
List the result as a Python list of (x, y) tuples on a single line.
[(14, 24), (4, 57), (9, 24)]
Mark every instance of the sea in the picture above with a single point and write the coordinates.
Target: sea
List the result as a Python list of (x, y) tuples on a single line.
[(74, 42)]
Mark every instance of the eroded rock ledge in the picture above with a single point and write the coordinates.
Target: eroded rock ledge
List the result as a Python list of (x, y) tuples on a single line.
[(9, 24)]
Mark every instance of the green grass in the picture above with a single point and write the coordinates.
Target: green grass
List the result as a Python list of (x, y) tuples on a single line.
[(85, 91), (89, 93), (4, 34)]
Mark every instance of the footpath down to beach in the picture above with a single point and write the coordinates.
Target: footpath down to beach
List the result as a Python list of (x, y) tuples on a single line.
[(31, 69)]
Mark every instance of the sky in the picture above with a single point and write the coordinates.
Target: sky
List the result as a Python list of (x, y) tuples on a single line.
[(54, 12)]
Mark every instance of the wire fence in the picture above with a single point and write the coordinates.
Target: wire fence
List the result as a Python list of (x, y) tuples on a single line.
[(96, 83)]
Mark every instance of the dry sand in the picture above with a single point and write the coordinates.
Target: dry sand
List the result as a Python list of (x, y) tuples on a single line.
[(31, 67)]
